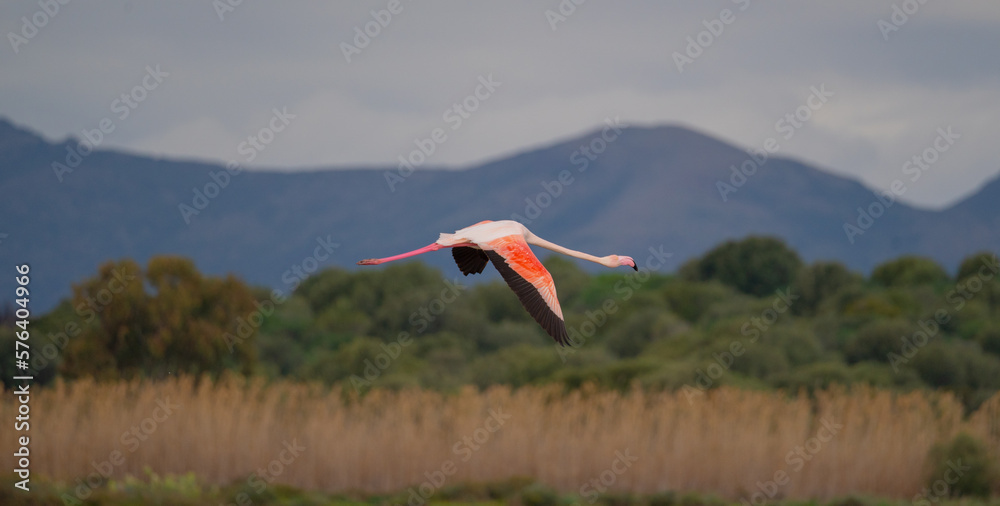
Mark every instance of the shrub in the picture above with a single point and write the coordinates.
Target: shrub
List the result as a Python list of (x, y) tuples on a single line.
[(870, 306), (617, 499), (755, 265), (883, 376), (876, 340), (799, 344), (975, 264), (761, 361), (663, 499), (165, 319), (969, 459), (507, 488), (982, 371), (691, 300), (819, 282), (816, 376), (641, 328), (938, 366), (989, 339), (849, 501), (516, 366), (537, 494), (908, 271)]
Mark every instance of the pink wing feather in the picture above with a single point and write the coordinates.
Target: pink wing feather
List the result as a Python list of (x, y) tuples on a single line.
[(530, 281)]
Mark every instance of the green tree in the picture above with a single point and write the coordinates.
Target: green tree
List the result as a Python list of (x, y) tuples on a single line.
[(691, 300), (637, 330), (516, 365), (980, 469), (909, 271), (982, 268), (938, 366), (819, 282), (876, 340), (178, 325), (989, 339), (984, 263), (755, 265), (379, 302)]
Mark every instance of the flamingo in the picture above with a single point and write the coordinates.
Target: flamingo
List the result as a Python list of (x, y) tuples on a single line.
[(505, 243)]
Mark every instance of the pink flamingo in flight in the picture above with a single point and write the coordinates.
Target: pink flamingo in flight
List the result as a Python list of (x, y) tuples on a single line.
[(505, 243)]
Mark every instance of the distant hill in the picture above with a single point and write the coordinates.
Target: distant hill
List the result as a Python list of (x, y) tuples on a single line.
[(647, 187)]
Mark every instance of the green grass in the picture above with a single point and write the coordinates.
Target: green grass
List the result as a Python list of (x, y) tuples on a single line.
[(186, 490)]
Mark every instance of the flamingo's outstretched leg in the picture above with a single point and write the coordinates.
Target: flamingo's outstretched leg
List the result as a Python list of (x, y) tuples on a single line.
[(375, 261)]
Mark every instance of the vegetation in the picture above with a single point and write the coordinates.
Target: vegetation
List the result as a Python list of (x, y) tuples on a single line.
[(382, 373), (756, 265), (748, 313), (127, 322), (587, 442), (963, 466), (186, 491)]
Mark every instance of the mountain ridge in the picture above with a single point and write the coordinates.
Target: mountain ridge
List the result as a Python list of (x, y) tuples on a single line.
[(648, 186)]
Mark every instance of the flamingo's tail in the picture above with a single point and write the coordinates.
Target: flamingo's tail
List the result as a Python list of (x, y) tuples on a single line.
[(450, 240)]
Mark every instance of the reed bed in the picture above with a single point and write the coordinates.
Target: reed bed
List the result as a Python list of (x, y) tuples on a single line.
[(728, 442)]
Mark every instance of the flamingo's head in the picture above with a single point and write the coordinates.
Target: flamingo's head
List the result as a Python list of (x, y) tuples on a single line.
[(620, 260)]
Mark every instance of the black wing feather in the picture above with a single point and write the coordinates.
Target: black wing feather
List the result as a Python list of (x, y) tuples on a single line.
[(531, 299), (469, 260)]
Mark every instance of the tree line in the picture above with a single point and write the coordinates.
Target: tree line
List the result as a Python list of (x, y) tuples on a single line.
[(749, 313)]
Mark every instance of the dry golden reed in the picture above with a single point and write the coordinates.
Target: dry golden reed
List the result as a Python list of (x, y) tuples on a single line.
[(724, 442)]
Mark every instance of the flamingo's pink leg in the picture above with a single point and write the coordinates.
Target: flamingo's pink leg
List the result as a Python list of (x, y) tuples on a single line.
[(430, 247)]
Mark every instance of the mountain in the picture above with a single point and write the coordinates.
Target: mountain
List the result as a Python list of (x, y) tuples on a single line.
[(605, 192)]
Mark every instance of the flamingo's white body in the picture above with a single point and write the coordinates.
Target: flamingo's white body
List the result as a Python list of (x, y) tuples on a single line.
[(505, 243)]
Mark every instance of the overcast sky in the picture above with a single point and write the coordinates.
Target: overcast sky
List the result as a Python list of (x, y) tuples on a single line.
[(558, 75)]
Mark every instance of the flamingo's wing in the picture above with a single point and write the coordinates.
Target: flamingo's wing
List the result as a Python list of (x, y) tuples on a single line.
[(469, 260), (531, 282)]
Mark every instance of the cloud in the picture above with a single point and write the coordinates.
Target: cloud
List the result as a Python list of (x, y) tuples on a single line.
[(606, 59)]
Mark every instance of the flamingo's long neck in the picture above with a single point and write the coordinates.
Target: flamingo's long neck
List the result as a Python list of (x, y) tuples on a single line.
[(538, 241)]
